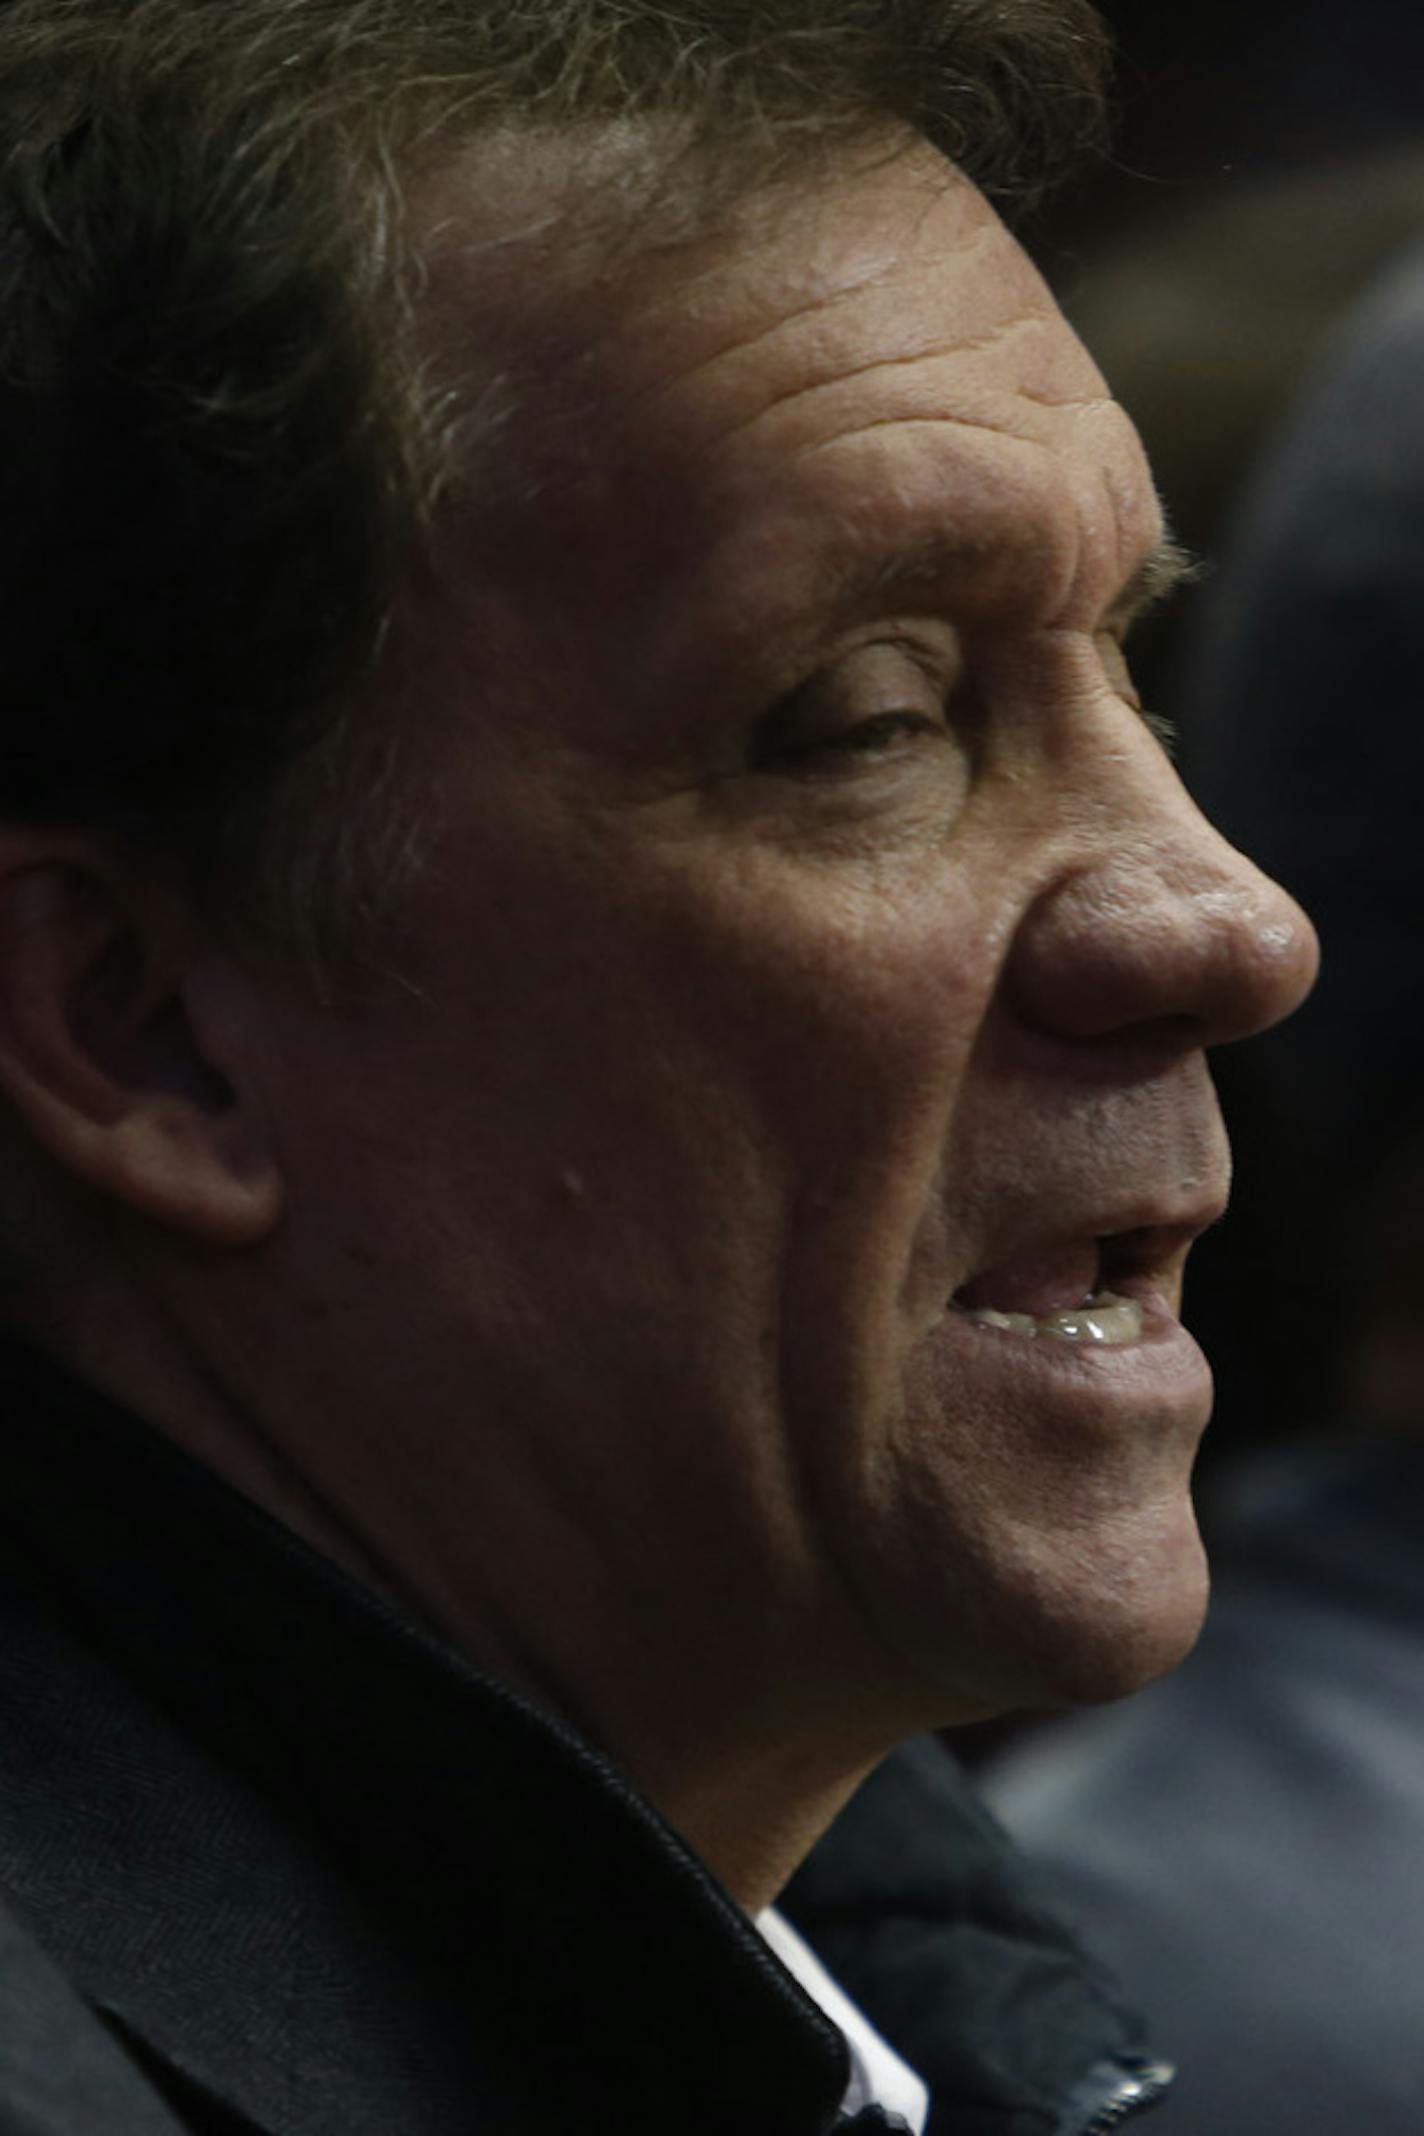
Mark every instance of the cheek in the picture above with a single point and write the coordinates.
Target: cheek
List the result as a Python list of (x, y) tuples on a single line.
[(846, 1033), (852, 1016), (764, 1085), (726, 1073)]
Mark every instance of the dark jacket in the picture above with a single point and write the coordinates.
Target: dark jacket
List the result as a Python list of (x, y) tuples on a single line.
[(277, 1860)]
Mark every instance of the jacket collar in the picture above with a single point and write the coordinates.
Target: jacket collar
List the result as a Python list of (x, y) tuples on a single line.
[(324, 1870), (313, 1858)]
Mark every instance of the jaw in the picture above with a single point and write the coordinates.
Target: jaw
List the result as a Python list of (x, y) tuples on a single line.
[(1011, 1517)]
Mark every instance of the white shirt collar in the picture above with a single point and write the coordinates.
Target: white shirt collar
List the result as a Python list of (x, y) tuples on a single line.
[(878, 2076)]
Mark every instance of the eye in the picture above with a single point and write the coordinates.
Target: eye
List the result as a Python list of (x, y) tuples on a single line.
[(1113, 655), (880, 735), (1115, 667), (877, 704)]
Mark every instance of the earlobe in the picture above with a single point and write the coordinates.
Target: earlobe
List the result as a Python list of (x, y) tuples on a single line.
[(110, 1052)]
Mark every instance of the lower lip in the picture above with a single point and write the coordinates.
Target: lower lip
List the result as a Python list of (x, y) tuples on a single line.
[(1163, 1369)]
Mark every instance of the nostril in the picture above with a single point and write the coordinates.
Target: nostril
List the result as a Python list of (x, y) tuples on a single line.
[(1163, 944)]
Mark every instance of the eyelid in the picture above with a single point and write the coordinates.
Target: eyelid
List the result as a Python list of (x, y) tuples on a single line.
[(882, 679), (1114, 657)]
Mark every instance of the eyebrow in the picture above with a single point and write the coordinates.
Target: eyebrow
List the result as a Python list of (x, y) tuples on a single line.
[(854, 579), (1161, 572)]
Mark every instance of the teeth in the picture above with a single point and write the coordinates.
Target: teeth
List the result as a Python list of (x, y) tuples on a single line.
[(1018, 1323), (1106, 1319)]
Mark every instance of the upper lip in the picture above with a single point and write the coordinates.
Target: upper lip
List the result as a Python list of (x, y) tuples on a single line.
[(1144, 1253), (1135, 1250)]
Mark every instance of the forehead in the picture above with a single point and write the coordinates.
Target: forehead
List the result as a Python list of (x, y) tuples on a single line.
[(858, 381)]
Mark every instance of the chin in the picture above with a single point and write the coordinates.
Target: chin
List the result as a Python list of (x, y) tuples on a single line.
[(1119, 1650), (1056, 1620), (1108, 1620)]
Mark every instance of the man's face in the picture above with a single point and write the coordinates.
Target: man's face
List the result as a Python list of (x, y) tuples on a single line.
[(817, 948)]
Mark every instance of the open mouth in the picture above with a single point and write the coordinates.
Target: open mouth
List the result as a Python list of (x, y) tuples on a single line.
[(1079, 1292)]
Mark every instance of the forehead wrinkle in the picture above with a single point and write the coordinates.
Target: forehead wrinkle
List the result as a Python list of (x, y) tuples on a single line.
[(742, 344), (943, 353), (952, 256), (922, 422), (597, 348), (736, 249), (1079, 403)]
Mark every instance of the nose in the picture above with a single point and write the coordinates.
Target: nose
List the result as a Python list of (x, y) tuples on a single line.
[(1168, 931)]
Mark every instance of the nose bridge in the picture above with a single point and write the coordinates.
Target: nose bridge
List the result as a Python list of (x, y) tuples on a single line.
[(1153, 918)]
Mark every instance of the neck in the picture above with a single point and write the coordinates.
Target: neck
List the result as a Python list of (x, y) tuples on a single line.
[(747, 1774), (755, 1828)]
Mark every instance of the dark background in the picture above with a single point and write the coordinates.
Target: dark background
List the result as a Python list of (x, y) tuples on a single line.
[(1211, 92)]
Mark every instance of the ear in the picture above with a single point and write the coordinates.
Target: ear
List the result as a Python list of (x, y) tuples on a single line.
[(119, 1046)]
